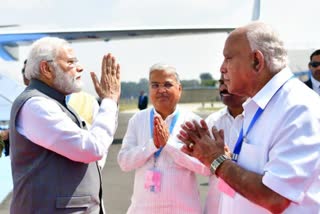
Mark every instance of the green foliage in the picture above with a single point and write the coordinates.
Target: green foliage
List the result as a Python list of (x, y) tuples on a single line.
[(190, 83), (207, 80), (131, 90), (205, 76)]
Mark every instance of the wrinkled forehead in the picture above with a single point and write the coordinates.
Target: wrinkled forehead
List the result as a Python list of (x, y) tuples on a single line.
[(162, 75), (66, 52), (237, 41), (238, 35)]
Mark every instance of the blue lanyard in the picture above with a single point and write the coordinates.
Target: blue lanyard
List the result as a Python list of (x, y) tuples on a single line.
[(173, 123), (241, 138)]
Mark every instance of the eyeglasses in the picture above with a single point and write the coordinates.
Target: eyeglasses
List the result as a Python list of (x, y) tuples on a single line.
[(72, 62), (314, 64), (156, 85)]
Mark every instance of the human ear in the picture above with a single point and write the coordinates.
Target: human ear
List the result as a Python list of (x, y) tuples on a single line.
[(258, 60), (46, 70)]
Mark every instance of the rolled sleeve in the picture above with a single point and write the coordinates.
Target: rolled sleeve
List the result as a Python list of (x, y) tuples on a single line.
[(292, 167)]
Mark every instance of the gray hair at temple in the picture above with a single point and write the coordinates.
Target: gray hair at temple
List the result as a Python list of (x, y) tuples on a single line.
[(265, 39), (44, 49), (164, 67)]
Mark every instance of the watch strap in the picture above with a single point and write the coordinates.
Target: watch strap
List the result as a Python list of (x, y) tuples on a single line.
[(217, 162)]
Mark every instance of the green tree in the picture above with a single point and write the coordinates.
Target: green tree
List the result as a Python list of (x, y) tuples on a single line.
[(190, 83), (207, 80), (132, 89), (143, 84)]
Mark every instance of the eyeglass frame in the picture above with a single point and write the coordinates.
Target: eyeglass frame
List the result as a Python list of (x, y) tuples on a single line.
[(167, 85), (72, 62), (314, 64)]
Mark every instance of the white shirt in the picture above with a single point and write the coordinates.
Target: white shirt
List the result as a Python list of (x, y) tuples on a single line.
[(283, 146), (315, 85), (179, 192), (42, 121), (221, 119)]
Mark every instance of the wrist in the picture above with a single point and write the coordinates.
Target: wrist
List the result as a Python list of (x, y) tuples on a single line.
[(216, 163)]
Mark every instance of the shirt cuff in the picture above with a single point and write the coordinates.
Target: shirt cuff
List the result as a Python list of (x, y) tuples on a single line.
[(108, 103), (151, 147)]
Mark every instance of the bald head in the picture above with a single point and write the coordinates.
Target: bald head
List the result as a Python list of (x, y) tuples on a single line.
[(253, 55), (264, 38)]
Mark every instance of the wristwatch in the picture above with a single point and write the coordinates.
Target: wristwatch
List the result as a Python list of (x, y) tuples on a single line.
[(217, 162)]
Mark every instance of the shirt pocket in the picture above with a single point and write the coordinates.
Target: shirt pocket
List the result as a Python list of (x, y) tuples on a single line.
[(252, 157)]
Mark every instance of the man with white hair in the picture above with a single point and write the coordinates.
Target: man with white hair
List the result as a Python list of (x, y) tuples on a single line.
[(165, 180), (275, 165), (53, 157)]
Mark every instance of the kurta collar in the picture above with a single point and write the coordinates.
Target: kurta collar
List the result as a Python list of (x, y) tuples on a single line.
[(47, 90)]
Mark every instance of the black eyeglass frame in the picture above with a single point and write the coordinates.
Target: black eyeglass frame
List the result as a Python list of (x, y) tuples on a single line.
[(314, 64)]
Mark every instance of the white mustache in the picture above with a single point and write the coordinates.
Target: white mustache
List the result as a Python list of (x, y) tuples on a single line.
[(76, 76)]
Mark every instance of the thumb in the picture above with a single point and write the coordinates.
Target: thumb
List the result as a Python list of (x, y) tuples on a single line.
[(96, 83)]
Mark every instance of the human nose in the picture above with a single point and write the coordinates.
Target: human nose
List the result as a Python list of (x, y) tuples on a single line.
[(162, 88), (223, 68), (79, 68)]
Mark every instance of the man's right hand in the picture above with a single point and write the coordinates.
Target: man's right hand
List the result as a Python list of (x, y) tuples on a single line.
[(199, 144), (109, 85)]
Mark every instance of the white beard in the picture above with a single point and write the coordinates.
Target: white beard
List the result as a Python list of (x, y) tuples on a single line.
[(65, 83)]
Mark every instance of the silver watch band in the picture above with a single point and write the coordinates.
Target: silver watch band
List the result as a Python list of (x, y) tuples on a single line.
[(217, 162)]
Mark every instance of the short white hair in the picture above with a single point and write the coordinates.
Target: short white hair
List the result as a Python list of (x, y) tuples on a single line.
[(43, 49), (265, 39), (164, 67)]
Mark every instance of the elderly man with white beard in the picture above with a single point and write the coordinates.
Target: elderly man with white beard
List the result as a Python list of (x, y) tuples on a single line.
[(54, 158)]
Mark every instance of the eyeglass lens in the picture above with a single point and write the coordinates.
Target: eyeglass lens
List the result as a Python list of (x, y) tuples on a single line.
[(314, 64)]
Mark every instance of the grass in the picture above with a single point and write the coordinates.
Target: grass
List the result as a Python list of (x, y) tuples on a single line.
[(128, 104), (210, 109), (210, 106)]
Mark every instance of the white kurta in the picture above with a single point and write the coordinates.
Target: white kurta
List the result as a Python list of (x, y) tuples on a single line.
[(221, 119), (55, 131), (179, 192)]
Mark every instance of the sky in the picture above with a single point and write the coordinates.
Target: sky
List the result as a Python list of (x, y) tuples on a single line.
[(191, 55)]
